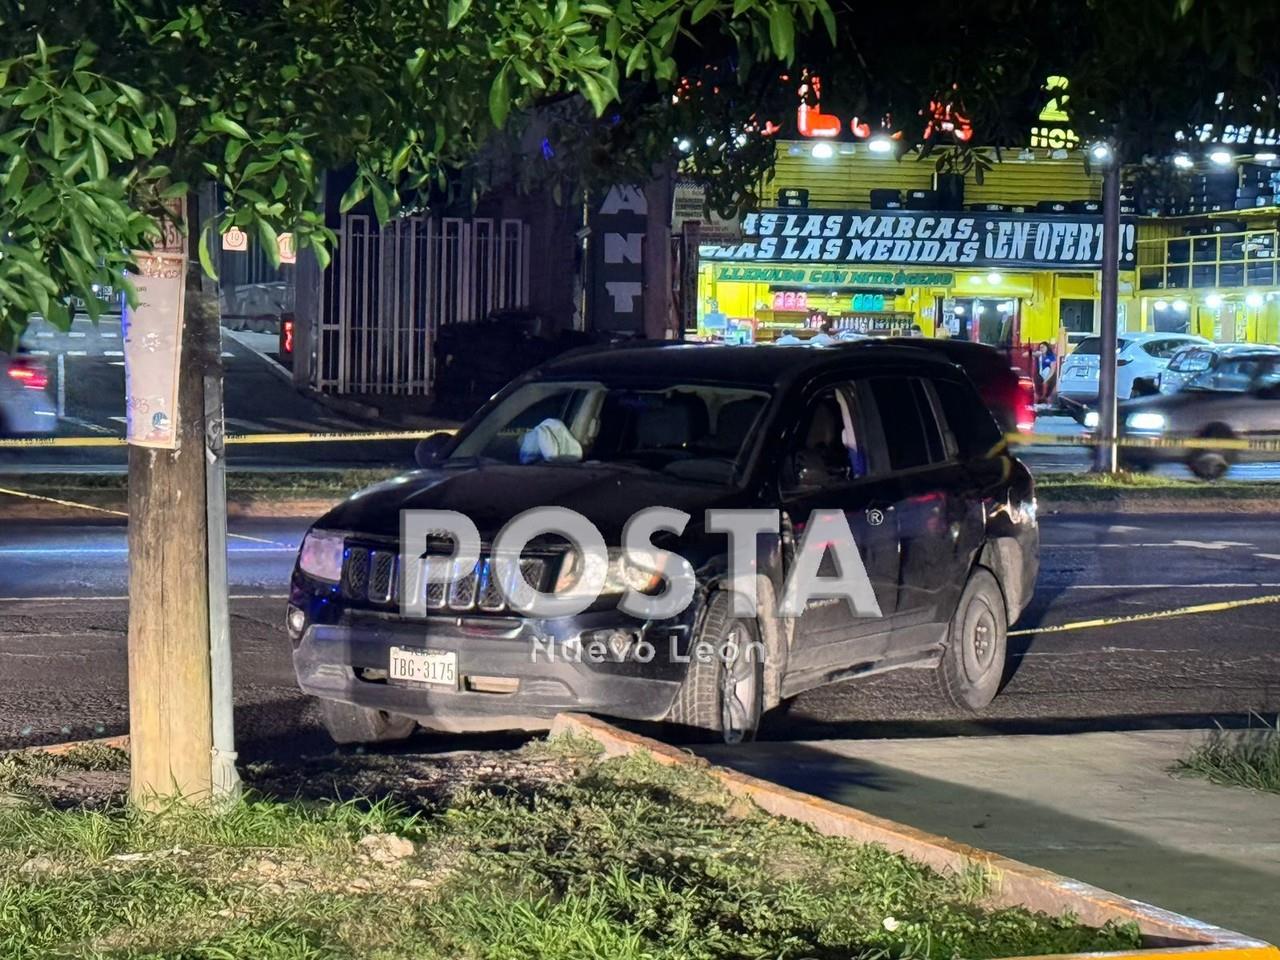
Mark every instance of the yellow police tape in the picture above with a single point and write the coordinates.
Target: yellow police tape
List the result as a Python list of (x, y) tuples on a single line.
[(1216, 607), (1013, 439), (24, 495)]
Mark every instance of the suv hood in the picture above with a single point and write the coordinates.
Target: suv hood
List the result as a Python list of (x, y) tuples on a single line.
[(491, 495)]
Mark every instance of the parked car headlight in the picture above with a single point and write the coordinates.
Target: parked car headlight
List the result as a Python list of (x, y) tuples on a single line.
[(1145, 420), (1091, 419), (321, 555)]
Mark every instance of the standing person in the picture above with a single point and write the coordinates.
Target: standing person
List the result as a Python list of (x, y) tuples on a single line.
[(1046, 371)]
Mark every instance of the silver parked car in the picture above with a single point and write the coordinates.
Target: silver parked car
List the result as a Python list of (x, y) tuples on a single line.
[(1217, 404), (1219, 365)]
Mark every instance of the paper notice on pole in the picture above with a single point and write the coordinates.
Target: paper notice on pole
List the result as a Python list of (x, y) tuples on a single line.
[(153, 337)]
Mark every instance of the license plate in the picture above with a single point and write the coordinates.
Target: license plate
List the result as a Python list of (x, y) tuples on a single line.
[(438, 667)]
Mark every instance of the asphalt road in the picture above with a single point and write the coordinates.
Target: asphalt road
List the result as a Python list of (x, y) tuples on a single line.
[(258, 399), (63, 629)]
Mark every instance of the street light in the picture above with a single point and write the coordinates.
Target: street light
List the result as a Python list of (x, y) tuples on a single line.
[(1221, 157), (994, 278), (1180, 306), (1162, 305), (1183, 162), (879, 144), (822, 151), (1254, 300), (1213, 301), (1100, 152), (1264, 157)]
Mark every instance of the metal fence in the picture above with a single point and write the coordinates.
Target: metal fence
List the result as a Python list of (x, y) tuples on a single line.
[(390, 289)]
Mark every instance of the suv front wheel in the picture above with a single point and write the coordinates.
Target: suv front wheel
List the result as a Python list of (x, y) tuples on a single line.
[(723, 694), (973, 660), (348, 723)]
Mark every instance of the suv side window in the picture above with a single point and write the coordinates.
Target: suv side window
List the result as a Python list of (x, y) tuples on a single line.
[(828, 447), (911, 433), (976, 433)]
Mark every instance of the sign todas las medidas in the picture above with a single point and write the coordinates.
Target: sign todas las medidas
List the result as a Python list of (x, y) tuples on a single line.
[(909, 237)]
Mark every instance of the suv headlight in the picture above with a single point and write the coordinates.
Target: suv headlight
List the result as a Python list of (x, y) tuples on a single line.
[(321, 555), (640, 572), (1091, 420), (1145, 420)]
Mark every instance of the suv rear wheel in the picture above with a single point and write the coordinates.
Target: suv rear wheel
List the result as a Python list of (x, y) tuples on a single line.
[(348, 723), (973, 660), (724, 695)]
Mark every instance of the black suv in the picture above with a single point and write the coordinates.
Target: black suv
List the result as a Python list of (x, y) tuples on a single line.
[(895, 438)]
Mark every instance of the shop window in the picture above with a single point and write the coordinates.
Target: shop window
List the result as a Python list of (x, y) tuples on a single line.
[(1077, 316)]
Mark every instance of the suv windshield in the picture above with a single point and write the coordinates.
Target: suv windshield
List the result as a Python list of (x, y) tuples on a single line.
[(693, 431)]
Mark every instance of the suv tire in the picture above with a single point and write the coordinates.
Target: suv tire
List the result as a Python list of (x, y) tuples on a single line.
[(348, 723), (1212, 464), (723, 697), (973, 660)]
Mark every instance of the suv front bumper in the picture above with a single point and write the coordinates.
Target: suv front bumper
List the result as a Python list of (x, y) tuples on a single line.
[(549, 672)]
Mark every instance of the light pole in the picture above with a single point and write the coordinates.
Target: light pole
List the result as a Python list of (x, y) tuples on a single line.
[(1105, 452)]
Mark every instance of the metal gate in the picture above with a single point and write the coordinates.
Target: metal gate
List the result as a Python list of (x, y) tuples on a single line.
[(389, 290)]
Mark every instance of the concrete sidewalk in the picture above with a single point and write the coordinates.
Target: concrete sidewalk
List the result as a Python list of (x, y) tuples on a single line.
[(1098, 807)]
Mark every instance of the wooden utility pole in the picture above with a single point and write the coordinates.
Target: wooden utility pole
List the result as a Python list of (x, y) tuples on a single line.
[(170, 710)]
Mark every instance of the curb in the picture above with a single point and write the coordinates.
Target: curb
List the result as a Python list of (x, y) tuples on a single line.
[(120, 742), (1015, 884)]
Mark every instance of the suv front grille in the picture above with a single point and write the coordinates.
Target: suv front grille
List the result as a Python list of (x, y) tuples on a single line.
[(372, 574)]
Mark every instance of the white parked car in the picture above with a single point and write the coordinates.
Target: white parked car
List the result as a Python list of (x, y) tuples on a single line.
[(1139, 356)]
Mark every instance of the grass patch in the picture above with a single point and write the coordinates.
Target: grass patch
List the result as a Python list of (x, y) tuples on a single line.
[(1142, 486), (625, 859), (1249, 758)]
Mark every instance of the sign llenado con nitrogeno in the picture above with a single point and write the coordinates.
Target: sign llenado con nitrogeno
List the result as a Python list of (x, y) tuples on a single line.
[(911, 237)]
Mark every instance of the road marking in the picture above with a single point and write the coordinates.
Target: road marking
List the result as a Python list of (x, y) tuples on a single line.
[(108, 334), (1184, 544), (43, 333), (1162, 586), (1121, 528), (39, 353), (77, 353), (1268, 556), (1218, 607), (113, 353), (77, 334)]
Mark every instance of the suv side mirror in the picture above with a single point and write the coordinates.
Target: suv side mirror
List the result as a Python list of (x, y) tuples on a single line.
[(428, 450)]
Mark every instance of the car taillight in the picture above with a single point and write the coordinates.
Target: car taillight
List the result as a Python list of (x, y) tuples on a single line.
[(1025, 406), (31, 377)]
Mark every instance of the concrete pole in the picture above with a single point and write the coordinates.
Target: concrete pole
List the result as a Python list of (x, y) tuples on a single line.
[(1105, 451)]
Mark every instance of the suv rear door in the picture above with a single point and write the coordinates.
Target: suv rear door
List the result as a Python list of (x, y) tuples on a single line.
[(939, 521), (821, 469)]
